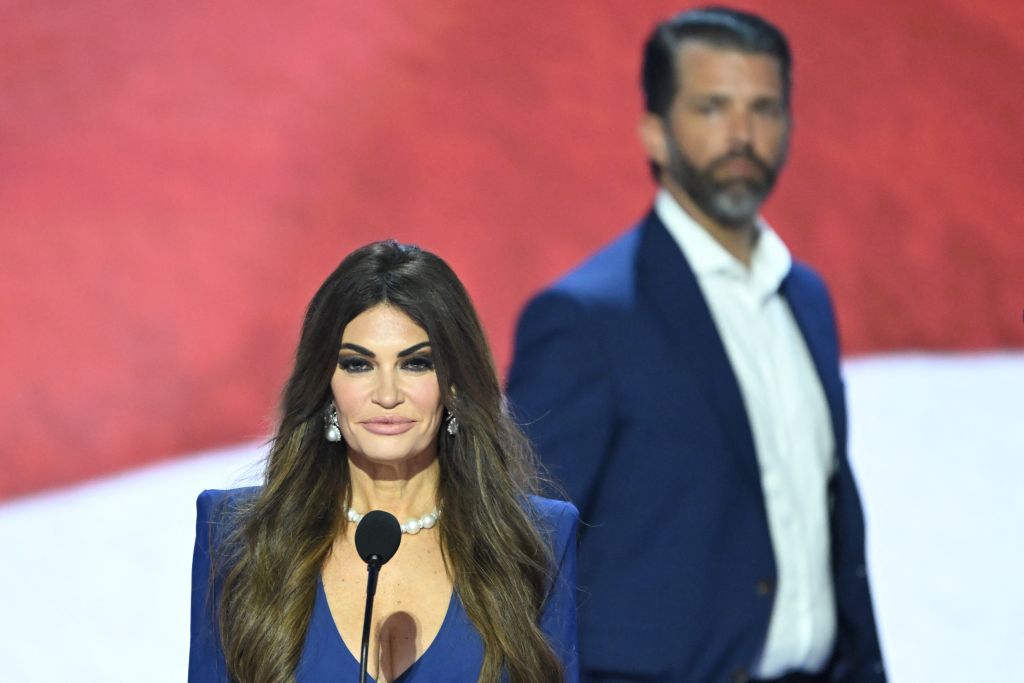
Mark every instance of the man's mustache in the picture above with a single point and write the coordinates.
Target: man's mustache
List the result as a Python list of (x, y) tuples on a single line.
[(747, 154)]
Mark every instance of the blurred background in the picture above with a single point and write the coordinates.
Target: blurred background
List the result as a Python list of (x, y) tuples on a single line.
[(177, 178)]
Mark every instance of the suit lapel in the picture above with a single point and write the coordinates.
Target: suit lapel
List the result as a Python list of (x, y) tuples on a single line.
[(666, 280), (818, 329)]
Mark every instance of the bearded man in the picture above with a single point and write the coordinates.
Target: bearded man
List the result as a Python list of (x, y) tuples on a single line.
[(683, 385)]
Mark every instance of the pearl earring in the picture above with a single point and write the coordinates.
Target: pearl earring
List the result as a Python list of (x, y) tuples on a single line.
[(332, 431)]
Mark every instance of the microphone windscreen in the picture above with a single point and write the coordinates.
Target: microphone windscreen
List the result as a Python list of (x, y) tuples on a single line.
[(378, 533)]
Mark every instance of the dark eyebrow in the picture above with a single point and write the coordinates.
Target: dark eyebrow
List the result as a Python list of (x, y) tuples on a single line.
[(359, 349), (709, 97), (367, 352), (768, 99), (412, 349)]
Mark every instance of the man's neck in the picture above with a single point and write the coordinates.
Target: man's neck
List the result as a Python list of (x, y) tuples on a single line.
[(738, 240)]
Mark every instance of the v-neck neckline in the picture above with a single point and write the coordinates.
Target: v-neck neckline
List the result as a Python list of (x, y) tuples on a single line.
[(340, 641)]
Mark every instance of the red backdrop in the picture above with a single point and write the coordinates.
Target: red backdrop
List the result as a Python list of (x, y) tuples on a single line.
[(176, 178)]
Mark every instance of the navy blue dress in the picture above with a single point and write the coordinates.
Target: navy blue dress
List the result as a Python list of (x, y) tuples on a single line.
[(456, 653)]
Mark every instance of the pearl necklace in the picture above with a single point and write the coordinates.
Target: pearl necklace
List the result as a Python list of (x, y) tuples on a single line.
[(411, 526)]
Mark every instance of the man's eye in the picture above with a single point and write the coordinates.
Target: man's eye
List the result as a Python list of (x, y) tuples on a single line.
[(419, 364), (353, 364), (769, 109)]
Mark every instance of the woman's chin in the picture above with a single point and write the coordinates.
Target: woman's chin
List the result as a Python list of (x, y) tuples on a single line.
[(396, 455)]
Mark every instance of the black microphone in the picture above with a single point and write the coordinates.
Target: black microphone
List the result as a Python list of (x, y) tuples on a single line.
[(377, 538)]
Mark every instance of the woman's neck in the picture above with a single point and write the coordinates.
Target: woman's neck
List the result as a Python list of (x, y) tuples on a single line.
[(406, 489)]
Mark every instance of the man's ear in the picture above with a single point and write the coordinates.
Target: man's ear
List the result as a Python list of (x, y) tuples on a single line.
[(651, 130)]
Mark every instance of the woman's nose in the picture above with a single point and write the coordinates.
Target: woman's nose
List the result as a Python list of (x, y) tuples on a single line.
[(387, 393)]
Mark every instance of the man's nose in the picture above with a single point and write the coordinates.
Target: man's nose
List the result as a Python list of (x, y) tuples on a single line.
[(741, 128)]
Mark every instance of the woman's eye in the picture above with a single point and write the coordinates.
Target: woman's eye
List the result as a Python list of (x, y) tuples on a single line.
[(353, 364), (419, 364)]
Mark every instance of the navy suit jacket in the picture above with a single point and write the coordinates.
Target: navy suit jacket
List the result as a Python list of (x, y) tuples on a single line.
[(622, 382)]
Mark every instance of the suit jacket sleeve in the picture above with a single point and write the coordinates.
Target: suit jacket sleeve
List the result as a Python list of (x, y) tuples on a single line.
[(559, 620), (561, 390), (206, 662)]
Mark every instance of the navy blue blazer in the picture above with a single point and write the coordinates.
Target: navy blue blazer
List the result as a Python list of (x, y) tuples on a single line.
[(455, 654), (622, 382)]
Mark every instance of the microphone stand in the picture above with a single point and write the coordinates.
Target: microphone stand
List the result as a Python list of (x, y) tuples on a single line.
[(378, 536), (372, 569)]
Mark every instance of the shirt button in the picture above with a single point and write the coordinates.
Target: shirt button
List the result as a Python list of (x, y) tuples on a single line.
[(740, 676), (765, 587)]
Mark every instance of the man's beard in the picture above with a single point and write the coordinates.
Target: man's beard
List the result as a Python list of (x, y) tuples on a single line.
[(731, 203)]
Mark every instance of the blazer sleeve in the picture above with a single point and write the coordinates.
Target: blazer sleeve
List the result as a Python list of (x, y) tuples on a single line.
[(559, 620), (206, 663), (560, 388)]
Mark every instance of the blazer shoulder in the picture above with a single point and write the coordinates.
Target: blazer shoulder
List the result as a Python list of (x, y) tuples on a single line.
[(213, 504), (603, 274), (557, 514)]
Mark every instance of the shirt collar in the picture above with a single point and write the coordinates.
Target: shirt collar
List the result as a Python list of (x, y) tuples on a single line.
[(770, 260)]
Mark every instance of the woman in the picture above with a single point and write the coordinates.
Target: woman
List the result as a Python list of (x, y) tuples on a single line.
[(393, 404)]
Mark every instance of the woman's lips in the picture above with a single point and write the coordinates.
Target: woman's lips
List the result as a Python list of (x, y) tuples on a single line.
[(388, 425)]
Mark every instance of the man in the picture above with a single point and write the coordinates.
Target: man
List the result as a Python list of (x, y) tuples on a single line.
[(683, 385)]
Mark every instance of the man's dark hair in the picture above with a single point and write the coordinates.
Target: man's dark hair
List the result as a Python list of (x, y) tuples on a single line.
[(718, 26)]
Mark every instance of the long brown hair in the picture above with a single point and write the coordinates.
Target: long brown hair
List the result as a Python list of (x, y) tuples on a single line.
[(499, 561)]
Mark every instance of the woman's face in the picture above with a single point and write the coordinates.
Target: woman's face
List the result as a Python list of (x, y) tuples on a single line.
[(385, 389)]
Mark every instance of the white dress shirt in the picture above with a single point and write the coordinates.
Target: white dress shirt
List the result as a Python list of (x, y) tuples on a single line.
[(790, 423)]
